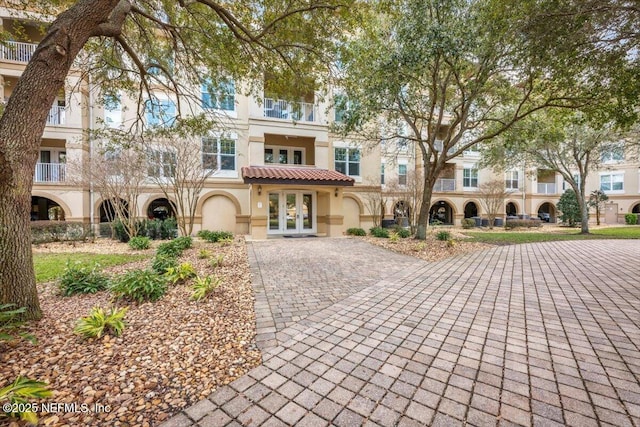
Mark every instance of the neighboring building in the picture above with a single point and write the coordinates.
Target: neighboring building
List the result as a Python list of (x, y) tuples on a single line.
[(279, 170)]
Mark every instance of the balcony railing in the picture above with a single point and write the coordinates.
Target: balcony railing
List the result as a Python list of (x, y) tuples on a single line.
[(546, 188), (445, 184), (298, 111), (50, 172), (17, 51), (56, 115)]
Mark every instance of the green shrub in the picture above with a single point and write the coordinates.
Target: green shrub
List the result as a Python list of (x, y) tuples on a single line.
[(161, 263), (139, 243), (181, 273), (184, 242), (59, 231), (524, 223), (468, 223), (379, 232), (443, 235), (356, 232), (216, 261), (204, 286), (403, 233), (169, 249), (631, 219), (139, 285), (394, 237), (20, 393), (119, 230), (214, 236), (11, 326), (81, 279), (98, 322)]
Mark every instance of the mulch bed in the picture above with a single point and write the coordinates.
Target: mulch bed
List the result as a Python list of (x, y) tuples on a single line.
[(172, 353)]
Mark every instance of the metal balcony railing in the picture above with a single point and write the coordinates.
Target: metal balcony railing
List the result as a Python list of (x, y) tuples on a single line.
[(298, 111), (17, 51), (445, 184), (56, 115), (50, 172), (546, 188)]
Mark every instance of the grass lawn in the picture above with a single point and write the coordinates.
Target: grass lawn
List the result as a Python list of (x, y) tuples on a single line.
[(50, 266), (516, 237)]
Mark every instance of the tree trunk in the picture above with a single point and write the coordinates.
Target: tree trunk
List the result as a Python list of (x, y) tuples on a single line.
[(584, 207), (425, 207), (21, 128)]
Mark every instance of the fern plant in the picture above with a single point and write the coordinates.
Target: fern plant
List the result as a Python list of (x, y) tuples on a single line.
[(99, 322), (204, 286), (11, 327), (181, 273), (19, 394)]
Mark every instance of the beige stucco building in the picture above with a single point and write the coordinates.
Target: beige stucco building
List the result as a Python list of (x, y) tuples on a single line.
[(278, 170)]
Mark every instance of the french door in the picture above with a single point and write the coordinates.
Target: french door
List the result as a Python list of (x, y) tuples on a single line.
[(292, 212)]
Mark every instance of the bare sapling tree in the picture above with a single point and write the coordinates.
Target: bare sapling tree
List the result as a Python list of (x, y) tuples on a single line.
[(492, 195)]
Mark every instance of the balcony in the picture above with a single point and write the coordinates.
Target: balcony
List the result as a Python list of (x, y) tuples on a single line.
[(546, 188), (296, 111), (444, 184), (56, 115), (50, 172), (17, 51)]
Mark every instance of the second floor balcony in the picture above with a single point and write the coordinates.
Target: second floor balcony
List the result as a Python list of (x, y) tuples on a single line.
[(50, 172), (444, 184), (17, 51), (296, 111), (547, 188)]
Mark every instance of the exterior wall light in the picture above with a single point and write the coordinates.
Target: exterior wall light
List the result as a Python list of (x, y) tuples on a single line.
[(259, 190)]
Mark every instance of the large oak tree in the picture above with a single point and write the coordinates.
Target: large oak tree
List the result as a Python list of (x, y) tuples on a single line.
[(136, 46)]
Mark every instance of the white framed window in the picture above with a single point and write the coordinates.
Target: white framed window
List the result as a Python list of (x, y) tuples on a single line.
[(470, 177), (347, 161), (160, 112), (161, 163), (382, 174), (284, 155), (511, 180), (219, 154), (612, 182), (341, 106), (402, 174), (576, 178), (218, 97), (612, 153)]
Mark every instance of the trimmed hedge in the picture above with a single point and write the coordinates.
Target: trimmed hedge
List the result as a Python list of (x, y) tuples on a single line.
[(59, 231), (524, 223), (356, 232)]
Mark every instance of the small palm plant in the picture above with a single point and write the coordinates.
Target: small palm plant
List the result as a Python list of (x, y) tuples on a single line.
[(18, 396), (99, 321)]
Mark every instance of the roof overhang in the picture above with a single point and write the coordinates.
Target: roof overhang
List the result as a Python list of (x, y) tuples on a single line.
[(294, 176)]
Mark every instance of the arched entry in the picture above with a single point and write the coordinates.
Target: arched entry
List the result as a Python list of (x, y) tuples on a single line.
[(160, 209), (547, 212), (441, 212), (636, 209), (511, 209), (43, 209), (470, 210), (108, 210), (401, 212)]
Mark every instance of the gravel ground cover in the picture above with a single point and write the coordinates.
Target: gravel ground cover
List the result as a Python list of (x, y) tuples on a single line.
[(172, 353)]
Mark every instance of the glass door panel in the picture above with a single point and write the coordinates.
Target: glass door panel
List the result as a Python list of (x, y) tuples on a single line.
[(307, 211), (274, 211), (291, 212)]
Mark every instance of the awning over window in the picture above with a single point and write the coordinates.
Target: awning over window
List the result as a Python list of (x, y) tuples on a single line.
[(294, 175)]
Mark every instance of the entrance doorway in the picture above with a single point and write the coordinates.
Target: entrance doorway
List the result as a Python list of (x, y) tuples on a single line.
[(292, 212)]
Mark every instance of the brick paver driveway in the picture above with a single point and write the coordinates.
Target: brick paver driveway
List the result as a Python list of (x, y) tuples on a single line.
[(540, 334)]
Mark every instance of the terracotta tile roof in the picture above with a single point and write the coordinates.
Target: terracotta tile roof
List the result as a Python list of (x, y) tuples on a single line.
[(294, 175)]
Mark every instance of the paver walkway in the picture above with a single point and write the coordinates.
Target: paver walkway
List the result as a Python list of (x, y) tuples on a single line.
[(540, 334)]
